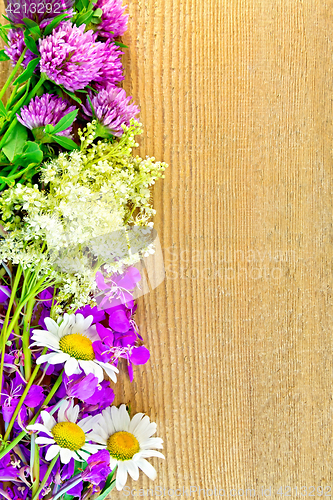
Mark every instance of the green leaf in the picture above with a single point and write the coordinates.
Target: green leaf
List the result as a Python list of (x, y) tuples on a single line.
[(31, 44), (3, 55), (65, 142), (3, 111), (65, 122), (29, 22), (84, 18), (105, 492), (16, 141), (119, 44), (98, 13), (31, 154), (72, 95), (54, 23), (27, 73), (49, 129)]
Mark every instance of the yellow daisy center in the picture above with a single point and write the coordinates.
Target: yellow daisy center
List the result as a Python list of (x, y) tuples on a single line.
[(78, 346), (68, 435), (122, 445)]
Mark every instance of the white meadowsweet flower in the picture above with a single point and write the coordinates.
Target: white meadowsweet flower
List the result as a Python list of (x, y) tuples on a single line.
[(71, 342), (66, 436), (129, 442)]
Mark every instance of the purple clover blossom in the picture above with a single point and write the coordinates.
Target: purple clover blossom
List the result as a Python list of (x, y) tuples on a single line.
[(71, 57), (16, 45), (113, 21), (42, 12), (45, 110), (111, 71), (112, 109)]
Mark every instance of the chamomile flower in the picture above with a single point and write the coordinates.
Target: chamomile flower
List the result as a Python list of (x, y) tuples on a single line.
[(66, 436), (129, 442), (72, 344)]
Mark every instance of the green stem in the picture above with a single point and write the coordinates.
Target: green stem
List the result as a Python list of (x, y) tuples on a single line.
[(13, 73), (35, 471), (45, 478), (24, 433), (26, 338), (22, 398), (4, 336)]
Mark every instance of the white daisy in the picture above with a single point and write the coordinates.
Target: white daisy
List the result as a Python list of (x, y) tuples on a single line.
[(67, 436), (129, 442), (71, 343)]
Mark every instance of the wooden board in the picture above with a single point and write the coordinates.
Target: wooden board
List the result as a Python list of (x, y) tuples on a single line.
[(237, 96)]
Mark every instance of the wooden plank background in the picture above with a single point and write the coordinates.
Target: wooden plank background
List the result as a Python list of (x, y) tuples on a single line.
[(236, 95)]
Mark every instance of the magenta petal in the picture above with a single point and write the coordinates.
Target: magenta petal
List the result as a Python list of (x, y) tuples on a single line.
[(118, 320), (140, 355), (99, 278), (4, 293), (34, 397)]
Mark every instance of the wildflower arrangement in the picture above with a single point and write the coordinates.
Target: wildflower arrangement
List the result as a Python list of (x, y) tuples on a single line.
[(75, 219)]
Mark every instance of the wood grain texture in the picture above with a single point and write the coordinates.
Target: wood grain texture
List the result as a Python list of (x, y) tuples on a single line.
[(236, 95)]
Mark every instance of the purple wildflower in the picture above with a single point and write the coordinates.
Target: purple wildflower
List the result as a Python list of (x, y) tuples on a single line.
[(11, 396), (112, 109), (45, 110), (98, 467), (41, 12), (71, 57), (5, 293), (16, 45), (111, 71), (113, 21)]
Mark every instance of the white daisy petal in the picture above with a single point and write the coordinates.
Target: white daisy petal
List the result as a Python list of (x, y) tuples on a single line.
[(65, 455), (45, 358), (113, 463), (88, 423), (59, 357), (47, 338), (44, 440), (92, 448), (116, 419), (147, 468), (72, 367), (52, 452), (51, 326), (107, 421), (141, 428), (132, 469), (87, 322), (134, 422), (92, 436), (83, 455), (110, 370), (63, 411), (152, 443), (40, 428), (48, 420), (91, 367), (148, 431), (72, 413), (148, 454), (121, 476), (124, 416)]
